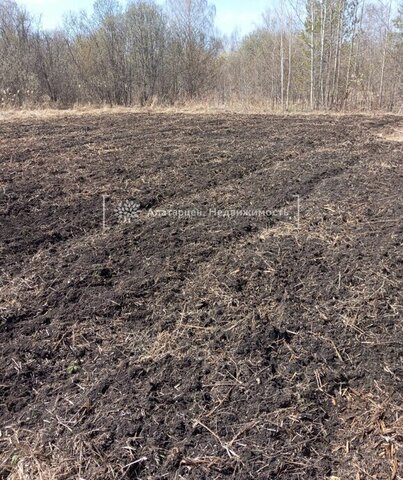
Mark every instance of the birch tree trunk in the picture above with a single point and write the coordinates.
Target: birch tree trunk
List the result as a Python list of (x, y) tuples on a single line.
[(289, 71), (385, 46), (322, 49), (282, 70), (312, 90)]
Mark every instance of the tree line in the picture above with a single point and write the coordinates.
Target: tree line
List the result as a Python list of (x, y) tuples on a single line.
[(306, 54)]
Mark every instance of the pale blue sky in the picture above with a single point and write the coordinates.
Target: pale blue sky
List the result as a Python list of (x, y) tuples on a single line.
[(231, 14)]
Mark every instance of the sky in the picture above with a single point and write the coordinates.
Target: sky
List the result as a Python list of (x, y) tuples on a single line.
[(242, 15)]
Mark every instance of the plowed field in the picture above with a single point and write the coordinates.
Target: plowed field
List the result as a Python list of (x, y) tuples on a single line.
[(155, 324)]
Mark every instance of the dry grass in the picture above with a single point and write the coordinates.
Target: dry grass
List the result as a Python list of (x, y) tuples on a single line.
[(394, 135), (372, 424), (202, 108)]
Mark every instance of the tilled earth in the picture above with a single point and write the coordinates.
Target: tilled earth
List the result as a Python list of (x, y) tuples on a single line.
[(142, 342)]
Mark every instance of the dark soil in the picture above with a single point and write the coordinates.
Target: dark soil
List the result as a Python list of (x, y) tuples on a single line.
[(200, 347)]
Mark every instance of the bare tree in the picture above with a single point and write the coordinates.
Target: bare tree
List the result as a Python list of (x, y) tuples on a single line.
[(146, 47), (194, 44)]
